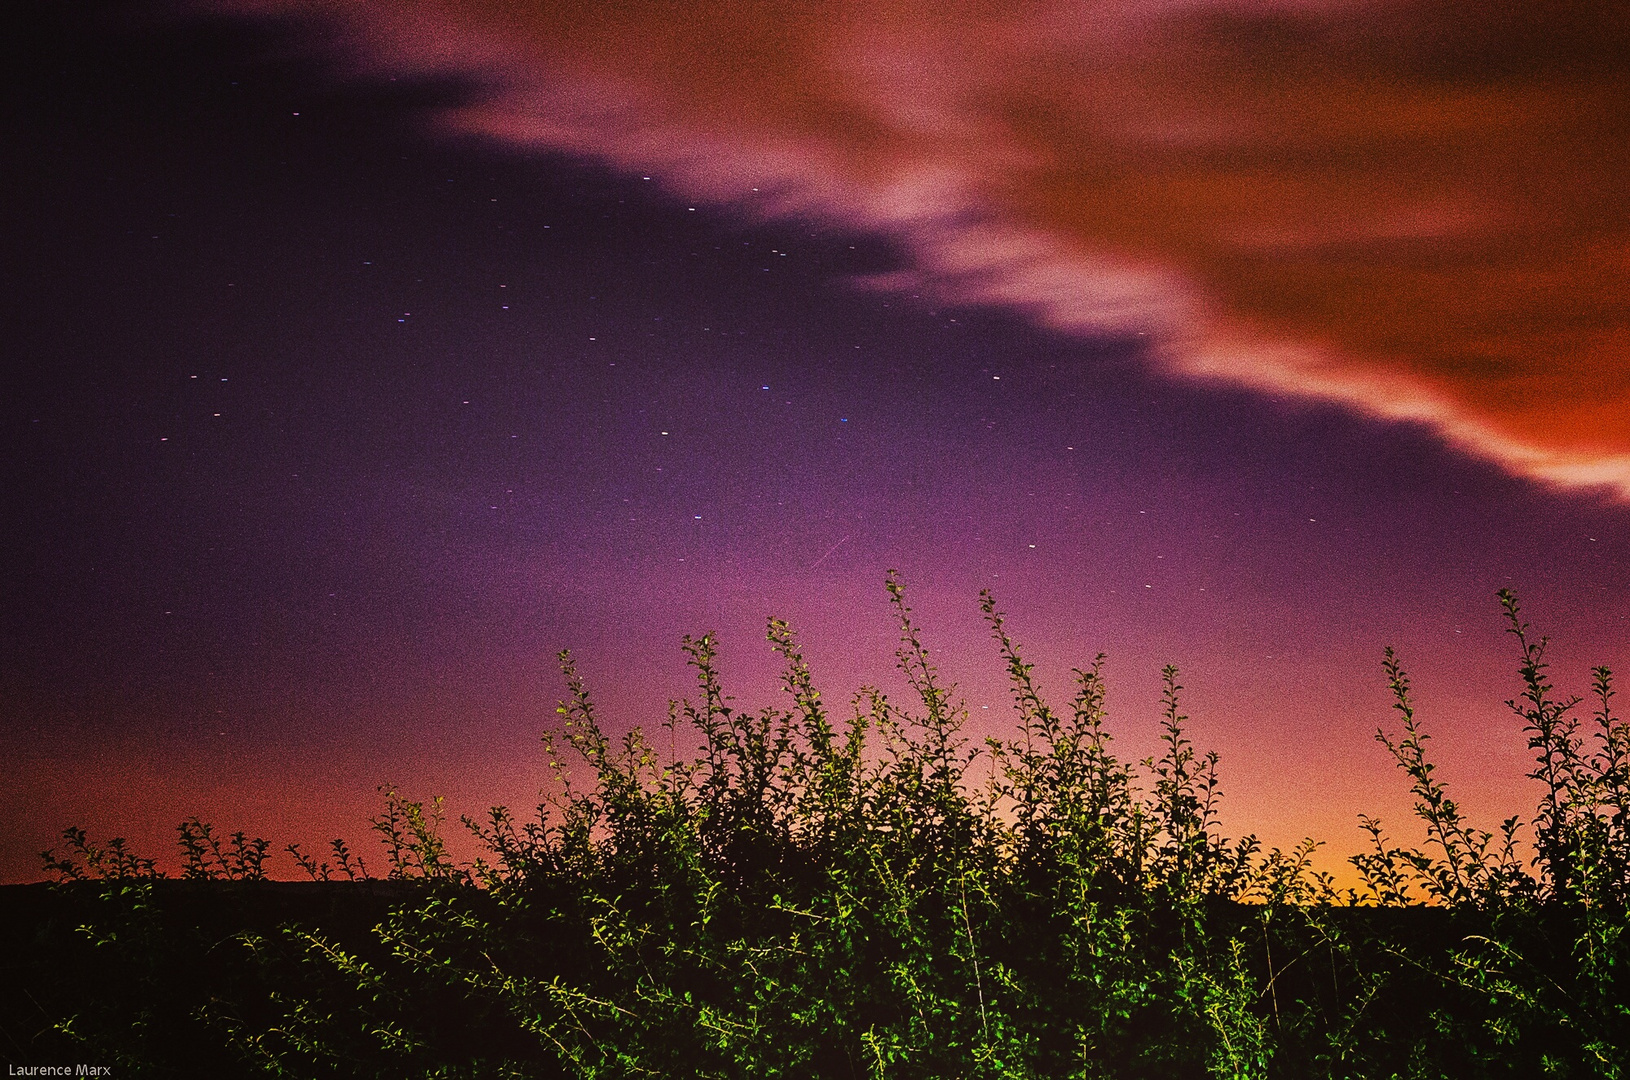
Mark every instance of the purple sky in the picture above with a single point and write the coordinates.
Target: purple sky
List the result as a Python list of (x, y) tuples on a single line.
[(328, 422)]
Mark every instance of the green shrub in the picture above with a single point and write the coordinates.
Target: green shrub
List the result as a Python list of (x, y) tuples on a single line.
[(882, 896)]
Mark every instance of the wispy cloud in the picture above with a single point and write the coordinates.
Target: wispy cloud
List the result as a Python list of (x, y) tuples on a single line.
[(1414, 209)]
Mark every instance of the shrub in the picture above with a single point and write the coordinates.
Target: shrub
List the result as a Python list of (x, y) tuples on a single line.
[(882, 895)]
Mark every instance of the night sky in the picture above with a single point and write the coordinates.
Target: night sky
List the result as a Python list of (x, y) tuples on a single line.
[(359, 360)]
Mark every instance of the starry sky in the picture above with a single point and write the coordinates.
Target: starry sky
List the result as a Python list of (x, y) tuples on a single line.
[(359, 357)]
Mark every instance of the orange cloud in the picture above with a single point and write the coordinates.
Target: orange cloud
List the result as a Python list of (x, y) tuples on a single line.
[(1414, 209)]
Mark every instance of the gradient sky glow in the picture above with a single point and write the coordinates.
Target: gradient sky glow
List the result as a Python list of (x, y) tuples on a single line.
[(361, 356)]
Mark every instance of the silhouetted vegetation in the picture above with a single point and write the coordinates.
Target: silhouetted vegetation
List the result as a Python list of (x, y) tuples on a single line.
[(871, 895)]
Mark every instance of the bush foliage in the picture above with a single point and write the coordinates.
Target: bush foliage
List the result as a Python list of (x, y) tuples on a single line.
[(879, 895)]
